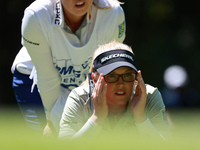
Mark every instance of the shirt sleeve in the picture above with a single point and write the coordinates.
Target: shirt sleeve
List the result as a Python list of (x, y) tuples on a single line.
[(119, 32), (146, 130), (75, 121), (35, 40), (156, 124), (89, 129)]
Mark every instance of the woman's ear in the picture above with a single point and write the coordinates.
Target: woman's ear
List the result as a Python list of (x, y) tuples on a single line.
[(94, 77)]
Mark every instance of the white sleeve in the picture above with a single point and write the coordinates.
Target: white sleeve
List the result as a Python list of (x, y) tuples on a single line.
[(119, 32), (22, 62), (35, 41)]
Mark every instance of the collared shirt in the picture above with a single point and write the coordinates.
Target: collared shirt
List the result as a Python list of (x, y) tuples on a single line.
[(78, 32), (82, 36), (76, 122)]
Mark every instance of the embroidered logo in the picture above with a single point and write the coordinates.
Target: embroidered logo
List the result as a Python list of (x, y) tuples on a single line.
[(164, 116), (72, 75), (121, 29)]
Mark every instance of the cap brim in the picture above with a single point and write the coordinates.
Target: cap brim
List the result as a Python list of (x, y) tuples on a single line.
[(110, 67)]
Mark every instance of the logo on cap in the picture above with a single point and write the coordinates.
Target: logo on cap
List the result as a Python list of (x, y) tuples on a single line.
[(106, 58)]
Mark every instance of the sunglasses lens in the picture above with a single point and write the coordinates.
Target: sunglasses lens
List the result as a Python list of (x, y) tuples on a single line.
[(111, 78), (129, 77)]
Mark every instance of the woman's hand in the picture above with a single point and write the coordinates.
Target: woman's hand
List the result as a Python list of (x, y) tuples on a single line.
[(139, 100), (99, 101), (49, 130)]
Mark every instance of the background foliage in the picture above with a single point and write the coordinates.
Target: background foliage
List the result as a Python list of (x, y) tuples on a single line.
[(161, 32)]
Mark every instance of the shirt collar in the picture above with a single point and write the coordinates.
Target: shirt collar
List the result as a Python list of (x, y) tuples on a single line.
[(84, 23)]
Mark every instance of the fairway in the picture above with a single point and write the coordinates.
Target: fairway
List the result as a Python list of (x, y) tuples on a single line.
[(14, 135)]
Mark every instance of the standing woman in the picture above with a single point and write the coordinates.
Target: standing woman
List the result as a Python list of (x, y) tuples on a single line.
[(60, 36)]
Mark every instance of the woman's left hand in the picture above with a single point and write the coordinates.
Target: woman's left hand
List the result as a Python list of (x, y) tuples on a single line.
[(139, 100)]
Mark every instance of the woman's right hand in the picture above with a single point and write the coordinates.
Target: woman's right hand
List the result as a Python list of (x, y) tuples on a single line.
[(49, 130), (99, 101)]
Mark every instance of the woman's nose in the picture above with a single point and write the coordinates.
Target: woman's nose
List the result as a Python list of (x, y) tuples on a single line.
[(120, 81)]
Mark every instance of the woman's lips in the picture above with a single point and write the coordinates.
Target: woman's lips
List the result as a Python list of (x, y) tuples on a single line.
[(120, 93), (80, 4)]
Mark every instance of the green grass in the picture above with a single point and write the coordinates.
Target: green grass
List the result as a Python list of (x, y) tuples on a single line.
[(14, 135)]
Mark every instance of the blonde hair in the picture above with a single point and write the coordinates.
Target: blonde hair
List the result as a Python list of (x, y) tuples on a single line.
[(97, 4), (114, 45)]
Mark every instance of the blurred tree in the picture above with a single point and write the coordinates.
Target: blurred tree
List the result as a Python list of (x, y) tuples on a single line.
[(163, 33), (11, 16)]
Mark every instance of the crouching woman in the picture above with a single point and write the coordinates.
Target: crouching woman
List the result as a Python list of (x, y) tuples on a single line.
[(114, 99)]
